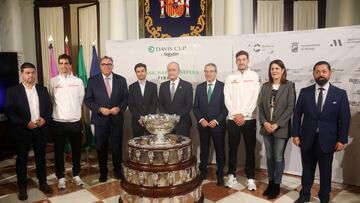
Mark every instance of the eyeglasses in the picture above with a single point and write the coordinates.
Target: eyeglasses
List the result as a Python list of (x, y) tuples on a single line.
[(106, 64)]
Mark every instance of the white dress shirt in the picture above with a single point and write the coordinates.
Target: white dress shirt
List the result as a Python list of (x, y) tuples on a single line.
[(241, 91), (67, 94), (110, 78), (176, 83), (325, 91), (142, 86), (33, 100)]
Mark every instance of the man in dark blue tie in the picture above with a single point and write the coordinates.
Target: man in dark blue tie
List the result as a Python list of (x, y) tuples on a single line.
[(210, 113), (320, 127), (107, 96)]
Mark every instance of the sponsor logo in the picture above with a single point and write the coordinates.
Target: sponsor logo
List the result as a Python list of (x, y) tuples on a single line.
[(354, 103), (263, 48), (354, 80), (168, 51), (294, 47), (356, 92), (336, 43), (337, 70), (151, 49)]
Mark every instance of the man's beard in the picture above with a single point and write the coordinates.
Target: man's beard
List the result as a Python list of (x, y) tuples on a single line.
[(321, 81)]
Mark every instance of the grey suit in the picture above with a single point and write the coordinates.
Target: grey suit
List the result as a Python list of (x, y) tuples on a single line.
[(275, 143), (283, 110)]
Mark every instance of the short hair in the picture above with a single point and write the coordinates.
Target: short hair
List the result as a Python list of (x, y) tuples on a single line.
[(322, 63), (65, 56), (106, 57), (282, 66), (211, 64), (173, 63), (138, 65), (242, 52), (26, 65)]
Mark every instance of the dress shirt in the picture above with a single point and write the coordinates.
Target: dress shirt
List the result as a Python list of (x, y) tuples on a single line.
[(33, 100)]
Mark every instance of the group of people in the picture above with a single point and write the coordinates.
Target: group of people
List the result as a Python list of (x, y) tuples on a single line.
[(318, 122)]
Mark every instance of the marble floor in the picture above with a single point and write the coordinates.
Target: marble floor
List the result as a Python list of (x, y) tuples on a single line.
[(93, 191)]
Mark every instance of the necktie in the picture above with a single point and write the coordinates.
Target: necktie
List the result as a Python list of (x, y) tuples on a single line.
[(209, 92), (172, 90), (107, 84), (320, 100)]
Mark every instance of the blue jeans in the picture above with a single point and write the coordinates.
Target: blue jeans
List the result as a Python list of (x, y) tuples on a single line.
[(275, 148)]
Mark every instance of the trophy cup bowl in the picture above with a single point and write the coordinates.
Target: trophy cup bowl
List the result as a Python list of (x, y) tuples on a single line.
[(159, 125)]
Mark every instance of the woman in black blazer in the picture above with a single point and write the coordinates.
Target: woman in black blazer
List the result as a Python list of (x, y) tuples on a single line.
[(276, 105)]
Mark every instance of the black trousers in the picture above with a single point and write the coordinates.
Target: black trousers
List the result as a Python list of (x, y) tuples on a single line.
[(102, 136), (309, 159), (218, 139), (71, 131), (248, 131), (23, 139)]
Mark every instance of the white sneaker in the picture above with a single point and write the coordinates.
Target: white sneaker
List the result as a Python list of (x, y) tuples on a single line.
[(61, 184), (251, 184), (78, 181), (231, 182)]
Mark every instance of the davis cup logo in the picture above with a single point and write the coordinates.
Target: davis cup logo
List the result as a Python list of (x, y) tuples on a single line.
[(174, 8)]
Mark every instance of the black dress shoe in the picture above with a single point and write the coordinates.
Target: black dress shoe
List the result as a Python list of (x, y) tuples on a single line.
[(300, 200), (23, 194), (45, 188), (103, 178), (220, 182)]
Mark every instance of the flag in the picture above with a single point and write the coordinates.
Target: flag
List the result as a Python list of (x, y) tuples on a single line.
[(95, 66), (87, 138), (81, 70), (53, 69)]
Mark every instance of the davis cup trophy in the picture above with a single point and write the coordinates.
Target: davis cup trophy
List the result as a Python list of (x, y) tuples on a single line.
[(160, 167)]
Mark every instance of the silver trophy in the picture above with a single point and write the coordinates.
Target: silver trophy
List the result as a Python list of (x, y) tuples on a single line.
[(159, 125)]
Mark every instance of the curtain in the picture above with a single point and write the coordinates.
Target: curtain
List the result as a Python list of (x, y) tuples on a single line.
[(305, 15), (88, 32), (51, 23), (270, 16)]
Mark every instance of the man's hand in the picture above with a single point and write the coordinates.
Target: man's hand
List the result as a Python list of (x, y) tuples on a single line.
[(105, 111), (239, 119), (339, 146), (40, 122), (204, 123), (274, 127), (115, 110), (31, 125), (296, 141), (141, 121), (212, 123)]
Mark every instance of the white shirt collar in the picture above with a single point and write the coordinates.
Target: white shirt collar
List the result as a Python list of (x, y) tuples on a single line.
[(326, 86), (175, 81), (213, 82), (110, 76), (144, 82), (33, 87)]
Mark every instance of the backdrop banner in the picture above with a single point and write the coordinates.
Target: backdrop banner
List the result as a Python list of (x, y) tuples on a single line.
[(299, 50)]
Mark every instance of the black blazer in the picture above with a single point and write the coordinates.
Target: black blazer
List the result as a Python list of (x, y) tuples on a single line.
[(17, 107), (96, 96), (333, 122), (216, 109), (142, 105), (181, 104)]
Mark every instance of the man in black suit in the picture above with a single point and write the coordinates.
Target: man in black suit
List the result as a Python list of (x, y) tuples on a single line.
[(28, 107), (176, 97), (106, 96), (210, 112), (321, 125), (142, 99)]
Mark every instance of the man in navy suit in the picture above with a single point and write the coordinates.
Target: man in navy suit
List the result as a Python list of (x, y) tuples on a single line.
[(143, 99), (28, 107), (210, 113), (320, 127), (176, 97), (106, 96)]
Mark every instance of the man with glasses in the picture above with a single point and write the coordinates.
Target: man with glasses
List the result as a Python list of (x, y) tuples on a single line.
[(106, 96)]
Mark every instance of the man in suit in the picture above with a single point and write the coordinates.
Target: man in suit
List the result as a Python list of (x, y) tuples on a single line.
[(176, 97), (210, 113), (106, 96), (142, 100), (28, 107), (320, 128)]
